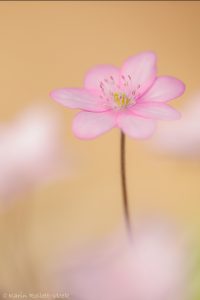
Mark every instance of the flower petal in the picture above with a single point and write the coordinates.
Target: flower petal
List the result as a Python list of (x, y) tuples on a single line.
[(164, 88), (154, 110), (101, 73), (78, 98), (89, 125), (141, 70), (136, 127)]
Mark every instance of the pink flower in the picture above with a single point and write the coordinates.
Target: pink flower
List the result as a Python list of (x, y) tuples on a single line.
[(131, 98), (153, 267)]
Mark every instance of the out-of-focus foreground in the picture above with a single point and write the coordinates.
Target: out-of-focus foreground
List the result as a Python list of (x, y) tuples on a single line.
[(60, 195)]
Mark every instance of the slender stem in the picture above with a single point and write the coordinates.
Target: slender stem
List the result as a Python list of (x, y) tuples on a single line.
[(123, 182)]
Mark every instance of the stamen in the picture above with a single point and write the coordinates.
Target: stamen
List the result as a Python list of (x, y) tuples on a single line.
[(116, 95), (101, 85), (111, 78), (121, 100)]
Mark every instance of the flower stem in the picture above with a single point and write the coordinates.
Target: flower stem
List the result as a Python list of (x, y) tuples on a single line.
[(123, 183)]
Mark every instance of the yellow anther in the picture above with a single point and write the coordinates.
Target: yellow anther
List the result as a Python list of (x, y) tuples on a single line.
[(117, 99), (121, 100)]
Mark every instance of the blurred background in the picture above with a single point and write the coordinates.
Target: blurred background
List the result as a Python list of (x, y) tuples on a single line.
[(51, 44)]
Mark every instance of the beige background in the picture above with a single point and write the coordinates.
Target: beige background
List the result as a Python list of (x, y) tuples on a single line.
[(51, 44)]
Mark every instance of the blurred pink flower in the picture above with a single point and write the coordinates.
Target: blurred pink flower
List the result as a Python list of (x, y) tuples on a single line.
[(130, 98), (153, 267), (30, 151), (181, 139)]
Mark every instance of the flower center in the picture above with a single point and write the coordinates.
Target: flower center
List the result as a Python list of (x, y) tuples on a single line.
[(121, 100), (118, 96)]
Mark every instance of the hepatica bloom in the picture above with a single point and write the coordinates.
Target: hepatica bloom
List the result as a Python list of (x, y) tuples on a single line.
[(131, 98)]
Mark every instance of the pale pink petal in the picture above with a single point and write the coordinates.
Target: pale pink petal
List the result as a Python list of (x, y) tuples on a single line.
[(106, 74), (136, 127), (140, 70), (89, 125), (164, 88), (78, 98), (154, 110)]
